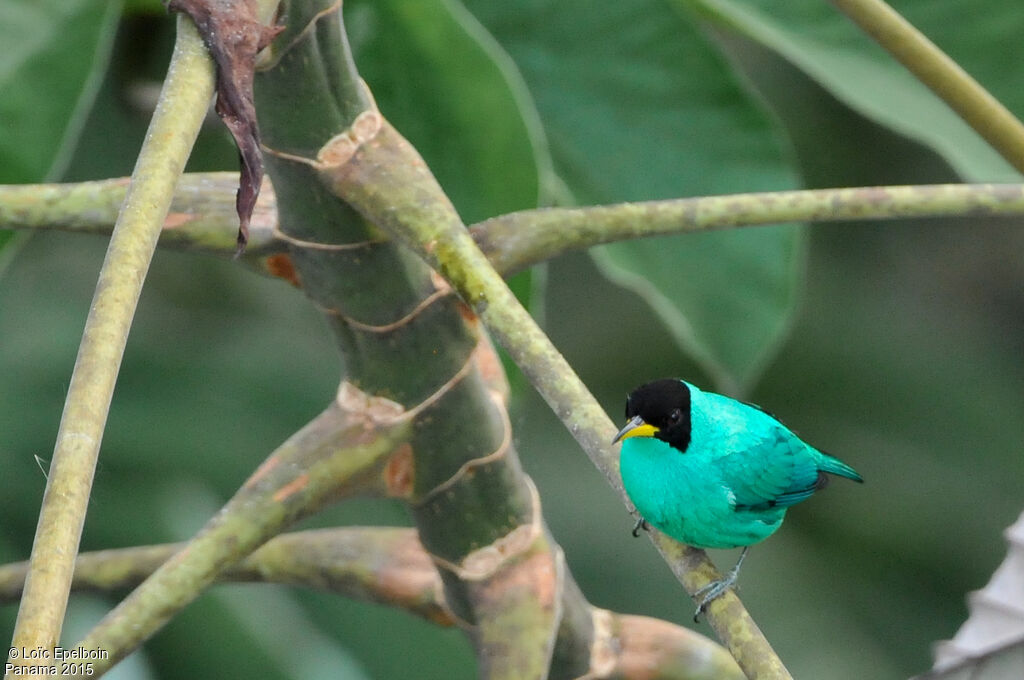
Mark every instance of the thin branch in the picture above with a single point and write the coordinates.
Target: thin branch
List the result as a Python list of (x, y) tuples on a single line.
[(933, 67), (383, 177), (184, 99), (202, 215), (519, 240), (388, 566), (379, 564)]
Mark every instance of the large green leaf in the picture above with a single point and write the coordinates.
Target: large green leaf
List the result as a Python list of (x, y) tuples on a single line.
[(54, 53), (728, 299), (637, 105), (829, 48), (444, 82)]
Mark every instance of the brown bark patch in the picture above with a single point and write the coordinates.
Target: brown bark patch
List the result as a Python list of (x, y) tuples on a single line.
[(400, 472), (291, 488), (281, 266), (263, 470), (176, 219)]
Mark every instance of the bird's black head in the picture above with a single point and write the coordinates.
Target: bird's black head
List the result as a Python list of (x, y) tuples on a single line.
[(665, 406)]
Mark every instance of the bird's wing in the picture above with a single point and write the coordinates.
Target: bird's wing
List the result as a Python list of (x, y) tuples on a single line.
[(774, 469)]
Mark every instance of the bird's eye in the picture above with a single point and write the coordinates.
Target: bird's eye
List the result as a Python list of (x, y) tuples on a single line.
[(675, 416)]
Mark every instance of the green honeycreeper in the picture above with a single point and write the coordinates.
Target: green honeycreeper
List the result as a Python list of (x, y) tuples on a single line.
[(713, 472)]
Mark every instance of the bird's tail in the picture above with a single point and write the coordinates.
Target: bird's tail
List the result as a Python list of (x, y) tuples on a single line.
[(834, 466)]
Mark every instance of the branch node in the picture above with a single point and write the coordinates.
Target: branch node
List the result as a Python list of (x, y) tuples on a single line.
[(376, 411), (340, 149)]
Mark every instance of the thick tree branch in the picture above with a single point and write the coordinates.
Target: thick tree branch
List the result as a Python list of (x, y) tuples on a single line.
[(404, 334), (388, 566)]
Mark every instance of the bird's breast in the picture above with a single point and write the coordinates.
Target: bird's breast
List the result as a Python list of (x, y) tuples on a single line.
[(684, 496)]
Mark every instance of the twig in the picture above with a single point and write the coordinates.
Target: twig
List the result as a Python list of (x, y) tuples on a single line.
[(933, 67)]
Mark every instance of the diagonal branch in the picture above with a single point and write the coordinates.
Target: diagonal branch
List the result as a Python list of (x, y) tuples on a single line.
[(383, 177), (943, 76), (342, 452)]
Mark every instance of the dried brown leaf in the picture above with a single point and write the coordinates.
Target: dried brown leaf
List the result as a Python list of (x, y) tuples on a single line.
[(234, 35)]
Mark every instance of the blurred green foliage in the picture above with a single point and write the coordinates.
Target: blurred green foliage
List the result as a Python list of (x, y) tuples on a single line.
[(902, 356)]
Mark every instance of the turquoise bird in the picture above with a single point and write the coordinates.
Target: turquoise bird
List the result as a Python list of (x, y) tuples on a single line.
[(713, 472)]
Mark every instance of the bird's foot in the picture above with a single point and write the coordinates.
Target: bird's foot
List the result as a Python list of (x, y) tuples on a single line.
[(640, 524), (710, 592), (716, 588)]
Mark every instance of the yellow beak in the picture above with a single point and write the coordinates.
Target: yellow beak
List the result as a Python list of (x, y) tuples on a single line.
[(635, 428)]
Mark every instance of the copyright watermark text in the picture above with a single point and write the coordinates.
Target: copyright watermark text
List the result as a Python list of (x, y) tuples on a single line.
[(59, 661)]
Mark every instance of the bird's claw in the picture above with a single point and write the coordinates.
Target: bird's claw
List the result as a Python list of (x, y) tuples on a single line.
[(710, 592), (640, 524), (716, 588)]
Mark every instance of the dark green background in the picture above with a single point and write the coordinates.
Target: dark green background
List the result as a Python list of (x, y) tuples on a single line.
[(901, 356)]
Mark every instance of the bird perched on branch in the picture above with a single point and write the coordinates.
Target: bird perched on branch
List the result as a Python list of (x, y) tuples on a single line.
[(713, 472)]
